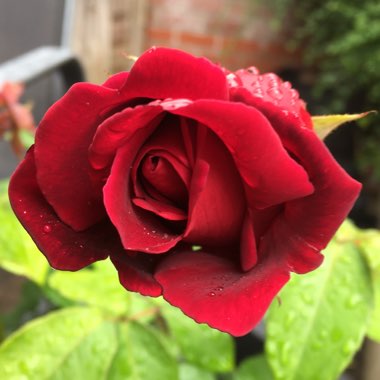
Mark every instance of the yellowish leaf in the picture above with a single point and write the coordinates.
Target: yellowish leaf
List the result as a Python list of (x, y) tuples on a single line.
[(324, 125)]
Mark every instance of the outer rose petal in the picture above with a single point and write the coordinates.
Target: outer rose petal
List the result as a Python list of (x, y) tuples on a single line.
[(168, 73), (213, 290), (270, 174), (61, 152), (116, 81), (117, 131), (307, 224), (64, 248), (136, 272), (272, 90)]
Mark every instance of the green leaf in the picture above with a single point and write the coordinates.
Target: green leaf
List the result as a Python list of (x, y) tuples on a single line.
[(369, 243), (18, 253), (189, 372), (74, 343), (95, 286), (79, 343), (141, 356), (254, 368), (200, 345), (98, 285), (324, 125), (323, 316)]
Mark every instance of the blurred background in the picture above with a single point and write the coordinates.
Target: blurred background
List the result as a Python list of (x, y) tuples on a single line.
[(329, 50)]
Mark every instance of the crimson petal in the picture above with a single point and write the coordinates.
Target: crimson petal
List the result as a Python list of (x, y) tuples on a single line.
[(169, 73), (216, 210), (116, 81), (61, 153), (270, 174), (138, 230), (136, 272), (213, 290), (64, 248), (307, 224)]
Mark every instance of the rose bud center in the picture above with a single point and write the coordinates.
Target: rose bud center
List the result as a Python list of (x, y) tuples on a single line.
[(161, 180)]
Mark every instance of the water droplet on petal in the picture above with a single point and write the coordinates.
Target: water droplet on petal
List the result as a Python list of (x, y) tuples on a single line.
[(232, 80), (212, 294), (47, 228)]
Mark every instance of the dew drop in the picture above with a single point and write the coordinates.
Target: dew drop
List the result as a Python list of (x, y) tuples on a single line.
[(307, 298), (290, 319), (232, 80), (219, 288), (253, 70), (212, 294), (24, 212), (271, 348), (349, 347), (47, 228), (353, 301)]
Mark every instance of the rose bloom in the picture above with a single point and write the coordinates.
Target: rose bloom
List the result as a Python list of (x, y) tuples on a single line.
[(202, 185)]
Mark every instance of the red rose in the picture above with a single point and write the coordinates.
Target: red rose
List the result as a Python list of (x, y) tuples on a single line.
[(179, 153)]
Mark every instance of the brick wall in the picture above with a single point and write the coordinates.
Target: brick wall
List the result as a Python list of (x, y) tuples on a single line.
[(235, 33)]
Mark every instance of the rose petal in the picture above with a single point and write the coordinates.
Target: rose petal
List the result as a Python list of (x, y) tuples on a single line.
[(216, 210), (271, 89), (248, 249), (138, 230), (61, 153), (307, 224), (162, 176), (169, 73), (270, 174), (136, 273), (161, 209), (213, 290), (117, 130), (64, 248), (116, 81)]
